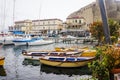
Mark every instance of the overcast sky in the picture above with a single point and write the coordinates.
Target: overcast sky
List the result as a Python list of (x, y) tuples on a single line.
[(37, 9)]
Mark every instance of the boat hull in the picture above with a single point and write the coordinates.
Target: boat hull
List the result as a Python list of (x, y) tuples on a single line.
[(89, 53), (65, 64), (8, 42), (40, 42), (2, 61), (20, 43), (32, 57)]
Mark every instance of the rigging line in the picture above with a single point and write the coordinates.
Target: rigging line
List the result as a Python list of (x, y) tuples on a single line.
[(14, 10), (4, 17), (1, 7), (40, 9)]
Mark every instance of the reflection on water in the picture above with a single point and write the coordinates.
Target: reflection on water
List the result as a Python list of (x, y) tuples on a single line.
[(31, 62), (2, 71), (18, 68), (66, 71), (57, 70)]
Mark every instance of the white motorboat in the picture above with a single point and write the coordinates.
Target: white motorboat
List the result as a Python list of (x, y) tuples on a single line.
[(6, 39), (40, 41), (22, 40), (28, 40)]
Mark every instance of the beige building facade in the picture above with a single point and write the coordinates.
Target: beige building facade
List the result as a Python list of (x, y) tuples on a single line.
[(25, 26), (38, 27), (92, 13), (75, 26), (47, 26)]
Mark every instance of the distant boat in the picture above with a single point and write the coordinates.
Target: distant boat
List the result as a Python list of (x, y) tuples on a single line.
[(2, 61), (6, 39), (22, 39), (28, 40), (58, 61), (39, 41)]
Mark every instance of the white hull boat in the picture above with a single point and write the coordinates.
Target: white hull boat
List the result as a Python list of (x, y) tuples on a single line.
[(6, 40), (27, 40), (40, 42), (20, 43), (22, 40)]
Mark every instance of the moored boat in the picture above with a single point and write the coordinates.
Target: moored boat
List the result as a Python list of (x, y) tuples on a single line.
[(2, 61), (73, 48), (6, 39), (22, 40), (28, 40), (88, 53), (58, 61), (33, 54), (38, 54), (40, 41), (85, 51)]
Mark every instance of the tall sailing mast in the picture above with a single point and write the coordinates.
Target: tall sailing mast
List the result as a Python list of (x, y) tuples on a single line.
[(40, 9), (13, 11), (4, 16)]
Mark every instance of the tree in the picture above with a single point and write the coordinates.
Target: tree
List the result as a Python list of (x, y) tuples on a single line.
[(96, 30), (114, 27)]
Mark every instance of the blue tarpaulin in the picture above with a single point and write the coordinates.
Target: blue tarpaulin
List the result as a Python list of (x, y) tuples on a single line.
[(18, 32)]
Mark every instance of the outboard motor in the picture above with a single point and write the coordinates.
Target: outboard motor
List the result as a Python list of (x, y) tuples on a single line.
[(24, 52)]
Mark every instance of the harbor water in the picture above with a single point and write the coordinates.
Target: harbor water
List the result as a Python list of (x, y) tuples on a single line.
[(18, 68)]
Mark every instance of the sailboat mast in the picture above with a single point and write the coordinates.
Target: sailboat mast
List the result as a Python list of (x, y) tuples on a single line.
[(4, 18), (40, 9), (13, 11)]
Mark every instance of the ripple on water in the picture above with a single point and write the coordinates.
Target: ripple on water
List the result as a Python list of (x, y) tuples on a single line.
[(15, 70)]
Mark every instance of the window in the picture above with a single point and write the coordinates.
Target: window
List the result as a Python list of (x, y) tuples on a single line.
[(75, 21), (80, 21), (43, 23), (48, 22)]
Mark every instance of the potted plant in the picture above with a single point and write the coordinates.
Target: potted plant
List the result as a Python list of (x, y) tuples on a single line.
[(107, 60)]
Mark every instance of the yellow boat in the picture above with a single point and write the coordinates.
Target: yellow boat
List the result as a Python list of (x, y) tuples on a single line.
[(73, 48), (65, 61), (88, 53), (2, 61)]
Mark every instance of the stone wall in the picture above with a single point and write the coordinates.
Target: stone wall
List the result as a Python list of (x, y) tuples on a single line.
[(91, 12)]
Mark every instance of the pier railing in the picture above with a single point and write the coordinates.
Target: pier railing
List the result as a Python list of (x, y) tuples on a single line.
[(72, 40)]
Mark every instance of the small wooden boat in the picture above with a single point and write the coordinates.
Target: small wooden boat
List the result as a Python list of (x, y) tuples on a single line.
[(34, 54), (73, 48), (88, 53), (2, 61), (57, 61), (38, 54)]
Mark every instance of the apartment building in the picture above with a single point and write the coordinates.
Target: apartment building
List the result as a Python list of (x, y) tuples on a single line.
[(25, 26), (47, 26), (76, 26), (38, 27)]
